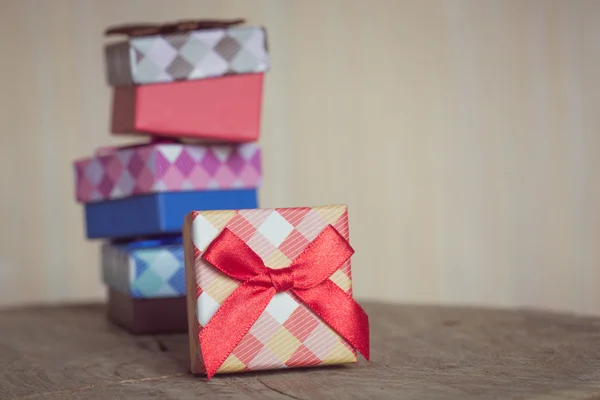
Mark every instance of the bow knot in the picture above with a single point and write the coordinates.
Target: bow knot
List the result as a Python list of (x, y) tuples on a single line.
[(306, 277), (282, 279)]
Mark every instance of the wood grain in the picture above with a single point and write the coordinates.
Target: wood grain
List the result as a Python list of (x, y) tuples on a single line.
[(419, 352)]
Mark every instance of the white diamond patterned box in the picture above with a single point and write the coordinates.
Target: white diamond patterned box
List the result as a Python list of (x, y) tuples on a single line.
[(175, 52)]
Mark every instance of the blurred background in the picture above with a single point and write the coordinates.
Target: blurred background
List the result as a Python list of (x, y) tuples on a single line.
[(463, 135)]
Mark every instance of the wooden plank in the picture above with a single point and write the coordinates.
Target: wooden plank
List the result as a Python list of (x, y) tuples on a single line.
[(418, 353)]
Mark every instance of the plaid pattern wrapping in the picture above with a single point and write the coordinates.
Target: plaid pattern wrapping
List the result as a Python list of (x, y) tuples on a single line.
[(158, 168), (144, 273), (186, 56), (287, 334)]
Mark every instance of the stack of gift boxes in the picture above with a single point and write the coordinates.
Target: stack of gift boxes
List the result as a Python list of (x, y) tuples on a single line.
[(195, 89)]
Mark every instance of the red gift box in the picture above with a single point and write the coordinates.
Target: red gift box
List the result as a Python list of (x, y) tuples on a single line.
[(270, 289), (218, 109)]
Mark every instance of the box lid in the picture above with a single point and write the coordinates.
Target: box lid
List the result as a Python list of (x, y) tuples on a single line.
[(173, 54), (114, 173)]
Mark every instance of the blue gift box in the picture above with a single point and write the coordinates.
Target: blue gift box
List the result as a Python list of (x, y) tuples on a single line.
[(145, 269), (159, 213)]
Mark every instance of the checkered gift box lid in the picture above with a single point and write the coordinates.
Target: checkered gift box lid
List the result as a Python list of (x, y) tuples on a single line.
[(196, 54), (287, 333), (115, 173), (146, 269)]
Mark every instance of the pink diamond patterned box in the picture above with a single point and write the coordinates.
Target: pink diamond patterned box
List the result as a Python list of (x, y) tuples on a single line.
[(271, 289), (166, 167)]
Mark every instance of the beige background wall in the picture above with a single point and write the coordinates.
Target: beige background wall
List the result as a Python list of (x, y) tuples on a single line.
[(464, 135)]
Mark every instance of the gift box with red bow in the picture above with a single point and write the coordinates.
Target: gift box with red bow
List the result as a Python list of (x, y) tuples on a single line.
[(270, 289)]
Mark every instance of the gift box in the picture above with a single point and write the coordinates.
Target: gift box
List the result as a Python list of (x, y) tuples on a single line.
[(271, 288), (217, 109), (145, 269), (115, 173), (147, 316), (158, 213), (182, 54)]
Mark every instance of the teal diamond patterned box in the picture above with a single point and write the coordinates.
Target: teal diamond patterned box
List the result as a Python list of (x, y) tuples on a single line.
[(149, 269)]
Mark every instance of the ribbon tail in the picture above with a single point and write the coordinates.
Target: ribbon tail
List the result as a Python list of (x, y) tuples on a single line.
[(231, 322), (340, 311)]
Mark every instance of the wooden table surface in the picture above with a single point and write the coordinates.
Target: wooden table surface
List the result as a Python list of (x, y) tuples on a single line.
[(418, 352)]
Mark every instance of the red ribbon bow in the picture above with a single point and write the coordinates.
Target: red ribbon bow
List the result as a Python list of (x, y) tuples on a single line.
[(307, 277)]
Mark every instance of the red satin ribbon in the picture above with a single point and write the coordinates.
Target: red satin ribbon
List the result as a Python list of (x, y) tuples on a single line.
[(307, 277)]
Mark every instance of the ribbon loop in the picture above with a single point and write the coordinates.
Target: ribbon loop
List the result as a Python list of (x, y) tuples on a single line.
[(282, 279)]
